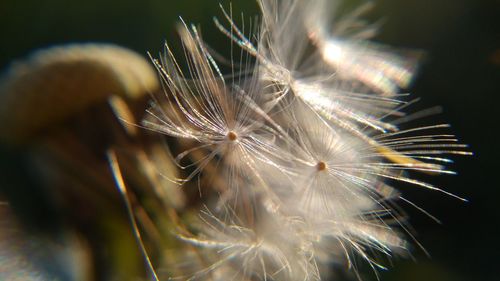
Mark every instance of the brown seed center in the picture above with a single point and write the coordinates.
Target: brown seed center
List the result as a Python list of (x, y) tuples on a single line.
[(232, 136), (321, 166)]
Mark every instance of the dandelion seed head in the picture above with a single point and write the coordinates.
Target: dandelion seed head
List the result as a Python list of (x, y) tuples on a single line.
[(304, 142)]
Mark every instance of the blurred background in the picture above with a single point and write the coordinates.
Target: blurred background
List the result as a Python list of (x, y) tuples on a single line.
[(460, 72)]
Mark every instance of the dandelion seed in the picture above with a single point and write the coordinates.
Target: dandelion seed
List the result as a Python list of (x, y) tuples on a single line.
[(272, 251), (223, 119), (283, 50)]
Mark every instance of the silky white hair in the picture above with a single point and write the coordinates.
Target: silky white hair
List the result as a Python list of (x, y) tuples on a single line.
[(306, 140)]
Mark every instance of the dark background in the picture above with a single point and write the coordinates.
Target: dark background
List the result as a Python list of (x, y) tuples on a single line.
[(460, 72)]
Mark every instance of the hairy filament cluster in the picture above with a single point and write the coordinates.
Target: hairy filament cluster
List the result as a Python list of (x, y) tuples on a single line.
[(304, 137)]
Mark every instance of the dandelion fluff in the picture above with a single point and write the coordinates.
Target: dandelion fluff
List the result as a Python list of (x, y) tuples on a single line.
[(304, 139)]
